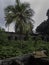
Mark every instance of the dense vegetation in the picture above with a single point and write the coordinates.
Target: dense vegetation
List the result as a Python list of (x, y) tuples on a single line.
[(15, 48)]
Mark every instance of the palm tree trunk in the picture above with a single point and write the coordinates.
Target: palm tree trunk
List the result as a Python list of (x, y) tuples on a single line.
[(21, 33), (8, 28)]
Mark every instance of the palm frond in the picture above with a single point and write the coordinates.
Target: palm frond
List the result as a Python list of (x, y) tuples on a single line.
[(18, 2), (21, 13), (9, 8)]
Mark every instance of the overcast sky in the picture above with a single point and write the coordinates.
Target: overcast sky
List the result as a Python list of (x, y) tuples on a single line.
[(39, 6)]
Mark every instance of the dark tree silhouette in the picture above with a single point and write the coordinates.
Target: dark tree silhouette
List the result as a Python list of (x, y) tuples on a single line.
[(43, 28)]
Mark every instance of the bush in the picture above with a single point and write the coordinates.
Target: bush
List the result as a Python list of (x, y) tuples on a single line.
[(15, 48)]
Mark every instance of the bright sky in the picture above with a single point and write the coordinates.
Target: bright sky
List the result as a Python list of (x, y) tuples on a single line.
[(39, 6)]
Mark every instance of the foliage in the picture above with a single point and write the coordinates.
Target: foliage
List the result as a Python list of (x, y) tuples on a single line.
[(3, 36), (43, 28), (12, 48), (18, 48), (21, 14)]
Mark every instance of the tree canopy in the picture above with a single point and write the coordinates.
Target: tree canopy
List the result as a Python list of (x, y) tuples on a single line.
[(43, 28), (21, 14)]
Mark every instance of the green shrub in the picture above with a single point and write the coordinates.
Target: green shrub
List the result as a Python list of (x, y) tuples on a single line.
[(15, 48)]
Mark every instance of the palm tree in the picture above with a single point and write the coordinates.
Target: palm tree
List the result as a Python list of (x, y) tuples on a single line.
[(20, 13)]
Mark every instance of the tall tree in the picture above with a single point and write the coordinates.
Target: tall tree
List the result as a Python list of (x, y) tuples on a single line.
[(43, 28), (20, 13)]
